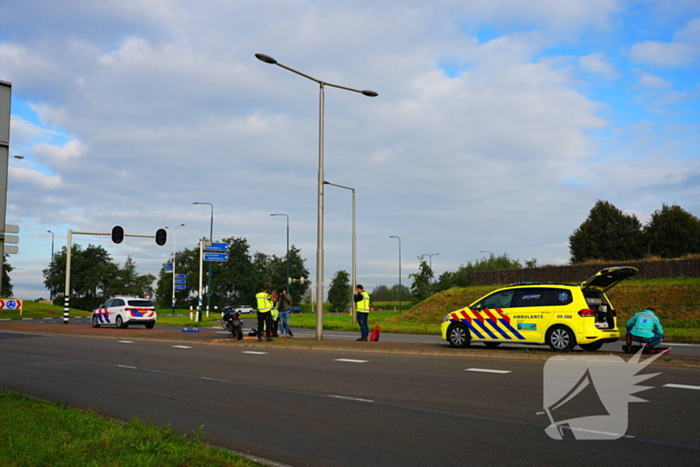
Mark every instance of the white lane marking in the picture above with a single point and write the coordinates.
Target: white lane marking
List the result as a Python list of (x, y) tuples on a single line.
[(127, 366), (254, 353), (681, 386), (682, 345), (214, 379), (349, 360), (182, 346), (486, 370), (126, 342), (350, 398)]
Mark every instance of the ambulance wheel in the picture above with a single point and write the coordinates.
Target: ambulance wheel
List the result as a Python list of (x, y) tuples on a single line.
[(239, 333), (120, 323), (492, 345), (592, 347), (95, 322), (561, 339), (458, 336)]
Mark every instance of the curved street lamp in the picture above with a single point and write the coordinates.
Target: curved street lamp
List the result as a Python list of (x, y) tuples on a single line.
[(285, 215), (51, 269), (319, 244), (354, 250), (395, 236), (174, 237)]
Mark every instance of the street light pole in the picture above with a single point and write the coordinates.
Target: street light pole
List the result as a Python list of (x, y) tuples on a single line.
[(286, 288), (430, 257), (174, 235), (211, 239), (354, 250), (51, 270), (394, 236), (319, 242)]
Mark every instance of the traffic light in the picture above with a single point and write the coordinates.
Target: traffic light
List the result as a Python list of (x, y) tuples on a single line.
[(117, 234), (161, 237)]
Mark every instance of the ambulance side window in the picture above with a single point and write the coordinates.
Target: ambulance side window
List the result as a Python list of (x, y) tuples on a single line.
[(535, 296), (502, 299), (558, 297)]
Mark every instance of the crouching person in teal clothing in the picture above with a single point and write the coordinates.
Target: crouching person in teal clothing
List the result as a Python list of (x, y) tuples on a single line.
[(646, 327)]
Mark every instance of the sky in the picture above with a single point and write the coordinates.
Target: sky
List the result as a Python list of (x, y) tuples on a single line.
[(498, 125)]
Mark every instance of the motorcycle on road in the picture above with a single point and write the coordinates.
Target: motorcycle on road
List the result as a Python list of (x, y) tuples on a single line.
[(233, 323)]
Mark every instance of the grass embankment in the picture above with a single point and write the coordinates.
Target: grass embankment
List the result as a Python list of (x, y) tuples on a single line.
[(677, 302), (37, 433), (32, 309)]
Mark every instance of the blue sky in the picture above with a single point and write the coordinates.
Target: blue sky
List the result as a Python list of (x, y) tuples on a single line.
[(498, 124)]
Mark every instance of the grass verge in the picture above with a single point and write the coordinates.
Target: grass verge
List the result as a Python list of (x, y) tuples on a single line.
[(38, 433)]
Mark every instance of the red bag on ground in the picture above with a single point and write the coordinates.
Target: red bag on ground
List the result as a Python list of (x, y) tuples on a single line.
[(374, 336)]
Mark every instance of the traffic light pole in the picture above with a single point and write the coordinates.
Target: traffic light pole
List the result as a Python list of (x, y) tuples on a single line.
[(120, 234)]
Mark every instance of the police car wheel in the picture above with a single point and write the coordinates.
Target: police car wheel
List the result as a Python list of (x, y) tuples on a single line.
[(120, 323), (95, 322), (150, 325), (592, 347), (561, 339), (458, 336)]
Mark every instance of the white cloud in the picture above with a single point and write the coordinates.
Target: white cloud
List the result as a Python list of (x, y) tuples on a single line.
[(683, 50), (599, 65), (647, 80)]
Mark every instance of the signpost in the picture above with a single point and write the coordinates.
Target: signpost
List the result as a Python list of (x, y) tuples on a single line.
[(214, 252), (223, 257)]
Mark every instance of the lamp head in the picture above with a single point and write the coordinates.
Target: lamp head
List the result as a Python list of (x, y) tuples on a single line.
[(370, 93), (266, 59)]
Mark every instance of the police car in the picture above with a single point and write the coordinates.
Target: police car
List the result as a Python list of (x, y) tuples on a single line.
[(124, 311), (558, 315)]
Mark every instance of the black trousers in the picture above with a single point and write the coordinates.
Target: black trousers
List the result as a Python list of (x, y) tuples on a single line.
[(264, 324)]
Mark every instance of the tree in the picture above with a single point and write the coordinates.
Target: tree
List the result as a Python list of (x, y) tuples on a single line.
[(672, 232), (6, 284), (339, 293), (463, 276), (422, 287), (381, 293), (607, 233)]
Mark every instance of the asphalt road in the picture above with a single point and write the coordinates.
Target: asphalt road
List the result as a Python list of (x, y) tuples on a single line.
[(683, 349), (317, 408)]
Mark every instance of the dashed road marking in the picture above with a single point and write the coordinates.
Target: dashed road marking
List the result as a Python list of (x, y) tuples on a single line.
[(350, 398), (126, 342), (251, 352), (127, 366), (349, 360), (486, 370), (182, 346), (681, 386)]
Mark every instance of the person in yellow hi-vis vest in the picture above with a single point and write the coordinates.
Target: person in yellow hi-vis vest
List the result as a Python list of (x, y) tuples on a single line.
[(362, 300), (264, 314)]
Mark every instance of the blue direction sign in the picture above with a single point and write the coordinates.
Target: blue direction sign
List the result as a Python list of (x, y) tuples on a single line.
[(180, 276), (180, 282), (169, 265), (180, 287), (215, 257), (209, 246), (167, 271)]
